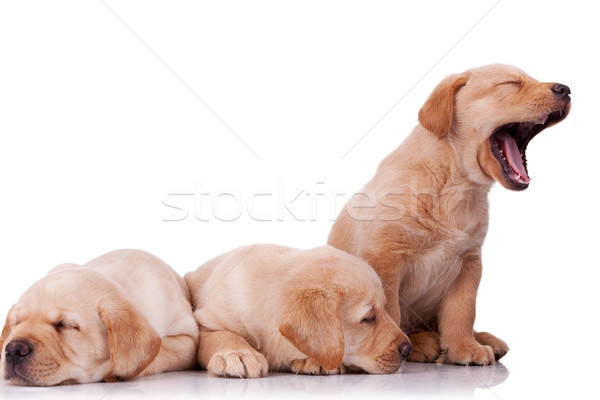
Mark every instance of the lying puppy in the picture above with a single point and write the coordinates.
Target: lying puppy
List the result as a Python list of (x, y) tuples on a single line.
[(267, 307), (121, 315), (422, 219)]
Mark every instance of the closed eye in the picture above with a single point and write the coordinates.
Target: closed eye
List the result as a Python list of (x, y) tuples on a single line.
[(62, 326), (517, 84), (369, 320)]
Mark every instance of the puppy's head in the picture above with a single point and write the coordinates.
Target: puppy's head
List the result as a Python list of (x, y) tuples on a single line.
[(340, 318), (489, 115), (73, 326)]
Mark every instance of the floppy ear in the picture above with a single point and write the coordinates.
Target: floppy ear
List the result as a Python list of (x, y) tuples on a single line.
[(311, 322), (132, 341), (436, 113), (5, 331)]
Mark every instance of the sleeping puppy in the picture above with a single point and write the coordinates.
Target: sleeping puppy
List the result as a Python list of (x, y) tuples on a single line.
[(121, 315), (267, 307), (422, 220)]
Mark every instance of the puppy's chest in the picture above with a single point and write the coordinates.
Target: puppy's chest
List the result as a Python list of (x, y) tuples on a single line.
[(431, 269)]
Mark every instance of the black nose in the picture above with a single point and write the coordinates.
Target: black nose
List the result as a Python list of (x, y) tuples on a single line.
[(405, 349), (561, 91), (17, 351)]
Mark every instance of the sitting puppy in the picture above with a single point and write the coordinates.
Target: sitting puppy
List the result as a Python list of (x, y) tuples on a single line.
[(267, 307), (121, 315), (421, 221)]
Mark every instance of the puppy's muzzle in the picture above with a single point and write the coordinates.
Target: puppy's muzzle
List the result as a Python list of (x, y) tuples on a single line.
[(18, 351)]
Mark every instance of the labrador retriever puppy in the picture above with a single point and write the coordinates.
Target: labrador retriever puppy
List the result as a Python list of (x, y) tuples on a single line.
[(268, 307), (421, 221), (122, 315)]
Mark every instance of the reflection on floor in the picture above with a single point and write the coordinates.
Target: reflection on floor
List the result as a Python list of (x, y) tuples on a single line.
[(414, 379)]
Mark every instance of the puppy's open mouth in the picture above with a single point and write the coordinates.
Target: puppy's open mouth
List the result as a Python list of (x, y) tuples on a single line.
[(509, 142)]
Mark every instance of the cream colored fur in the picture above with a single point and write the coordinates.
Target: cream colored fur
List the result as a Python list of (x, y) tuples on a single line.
[(121, 315), (421, 221), (267, 307)]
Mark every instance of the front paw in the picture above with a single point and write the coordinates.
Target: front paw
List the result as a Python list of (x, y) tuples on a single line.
[(238, 364), (426, 347), (308, 366), (471, 353), (499, 346)]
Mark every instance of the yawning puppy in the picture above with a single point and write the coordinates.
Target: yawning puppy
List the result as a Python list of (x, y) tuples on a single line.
[(422, 219), (267, 307), (121, 315)]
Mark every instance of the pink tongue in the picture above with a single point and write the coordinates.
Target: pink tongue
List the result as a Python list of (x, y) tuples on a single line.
[(511, 151)]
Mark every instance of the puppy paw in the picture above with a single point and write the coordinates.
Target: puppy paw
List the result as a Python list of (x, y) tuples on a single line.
[(426, 347), (472, 353), (308, 366), (238, 364), (499, 346)]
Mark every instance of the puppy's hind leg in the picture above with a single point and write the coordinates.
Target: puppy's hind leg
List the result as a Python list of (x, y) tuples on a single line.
[(224, 353), (176, 353)]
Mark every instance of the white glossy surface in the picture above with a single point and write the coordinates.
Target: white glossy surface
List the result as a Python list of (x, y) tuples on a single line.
[(423, 380)]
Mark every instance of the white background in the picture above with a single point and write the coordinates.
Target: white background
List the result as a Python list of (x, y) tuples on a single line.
[(105, 120)]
